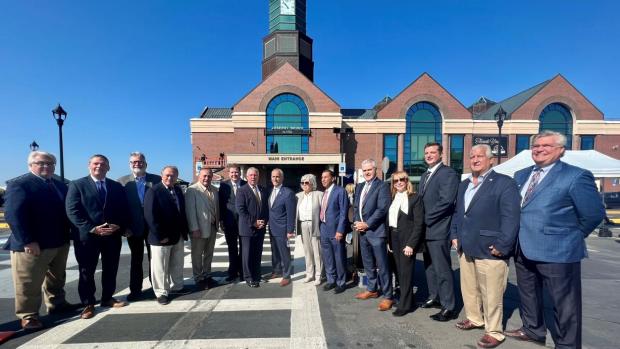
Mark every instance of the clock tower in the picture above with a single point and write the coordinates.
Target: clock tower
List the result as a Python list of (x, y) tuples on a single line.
[(287, 40)]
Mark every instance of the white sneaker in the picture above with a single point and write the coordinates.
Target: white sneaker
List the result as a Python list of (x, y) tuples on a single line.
[(317, 282), (308, 279)]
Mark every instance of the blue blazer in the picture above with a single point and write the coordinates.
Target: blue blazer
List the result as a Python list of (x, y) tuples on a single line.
[(137, 224), (35, 213), (335, 213), (376, 206), (563, 210), (439, 197), (282, 212), (249, 210), (86, 211), (164, 219), (492, 217)]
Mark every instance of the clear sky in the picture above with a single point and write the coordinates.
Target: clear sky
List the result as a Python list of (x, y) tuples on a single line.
[(132, 73)]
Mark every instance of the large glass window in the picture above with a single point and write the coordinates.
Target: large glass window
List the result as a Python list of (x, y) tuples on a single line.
[(456, 152), (523, 143), (287, 126), (423, 126), (390, 149), (556, 117), (587, 143)]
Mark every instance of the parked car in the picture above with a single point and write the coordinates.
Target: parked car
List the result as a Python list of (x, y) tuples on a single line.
[(611, 200)]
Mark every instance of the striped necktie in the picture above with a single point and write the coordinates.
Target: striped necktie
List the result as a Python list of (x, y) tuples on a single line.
[(533, 184)]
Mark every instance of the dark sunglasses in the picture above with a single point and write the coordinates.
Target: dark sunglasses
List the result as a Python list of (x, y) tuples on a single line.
[(306, 183), (403, 180)]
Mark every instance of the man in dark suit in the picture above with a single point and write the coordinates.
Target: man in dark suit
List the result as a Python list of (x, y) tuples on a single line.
[(136, 185), (282, 205), (39, 240), (560, 208), (333, 222), (252, 205), (164, 212), (484, 231), (370, 208), (230, 220), (438, 187), (97, 207)]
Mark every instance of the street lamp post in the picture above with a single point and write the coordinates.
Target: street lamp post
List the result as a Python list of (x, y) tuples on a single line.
[(60, 115), (500, 116), (34, 146)]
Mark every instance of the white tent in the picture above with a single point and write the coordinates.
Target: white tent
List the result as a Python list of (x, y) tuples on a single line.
[(599, 164)]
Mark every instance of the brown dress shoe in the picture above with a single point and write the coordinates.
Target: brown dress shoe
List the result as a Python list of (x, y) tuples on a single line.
[(488, 341), (367, 295), (285, 282), (31, 324), (519, 334), (386, 304), (113, 303), (88, 312), (467, 325)]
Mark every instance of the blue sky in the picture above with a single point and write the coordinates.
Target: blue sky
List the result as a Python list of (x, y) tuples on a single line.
[(132, 73)]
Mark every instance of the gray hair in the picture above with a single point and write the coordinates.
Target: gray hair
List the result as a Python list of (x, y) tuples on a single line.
[(559, 138), (279, 170), (254, 169), (487, 150), (173, 168), (40, 154), (137, 154), (310, 178), (371, 162), (206, 169)]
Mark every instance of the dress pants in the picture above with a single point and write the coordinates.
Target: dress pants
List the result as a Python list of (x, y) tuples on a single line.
[(202, 256), (405, 268), (483, 282), (335, 260), (87, 255), (30, 272), (136, 275), (376, 265), (276, 263), (167, 268), (234, 253), (439, 278), (563, 283), (282, 251), (252, 251), (312, 251)]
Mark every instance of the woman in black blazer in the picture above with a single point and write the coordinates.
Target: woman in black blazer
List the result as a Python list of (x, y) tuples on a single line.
[(406, 222)]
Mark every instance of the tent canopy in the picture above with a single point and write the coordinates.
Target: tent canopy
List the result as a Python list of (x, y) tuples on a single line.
[(599, 164)]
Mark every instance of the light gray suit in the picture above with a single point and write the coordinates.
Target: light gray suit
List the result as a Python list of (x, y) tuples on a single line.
[(203, 211), (311, 234)]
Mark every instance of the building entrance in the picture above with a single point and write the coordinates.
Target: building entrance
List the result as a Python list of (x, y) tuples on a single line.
[(293, 174)]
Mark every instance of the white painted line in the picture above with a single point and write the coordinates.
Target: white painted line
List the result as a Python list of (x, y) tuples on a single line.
[(230, 343), (257, 304), (306, 326)]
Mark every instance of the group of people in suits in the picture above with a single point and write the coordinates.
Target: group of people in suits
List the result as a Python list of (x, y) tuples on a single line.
[(540, 218)]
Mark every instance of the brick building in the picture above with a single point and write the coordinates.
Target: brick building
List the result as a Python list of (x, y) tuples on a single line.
[(287, 121)]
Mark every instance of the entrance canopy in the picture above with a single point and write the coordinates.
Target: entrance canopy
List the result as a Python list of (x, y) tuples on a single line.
[(599, 164)]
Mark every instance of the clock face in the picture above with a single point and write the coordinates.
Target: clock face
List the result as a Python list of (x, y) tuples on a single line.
[(287, 7)]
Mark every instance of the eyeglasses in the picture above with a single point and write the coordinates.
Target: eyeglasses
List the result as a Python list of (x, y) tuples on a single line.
[(402, 180), (138, 162), (44, 163), (304, 183)]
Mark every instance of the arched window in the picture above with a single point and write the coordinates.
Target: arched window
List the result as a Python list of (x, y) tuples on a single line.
[(556, 117), (287, 126), (423, 126)]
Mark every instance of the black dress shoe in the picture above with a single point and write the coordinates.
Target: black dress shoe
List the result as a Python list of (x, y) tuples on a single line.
[(430, 303), (328, 287), (163, 300), (134, 297), (522, 336), (400, 312), (444, 315), (211, 283), (339, 289), (64, 308)]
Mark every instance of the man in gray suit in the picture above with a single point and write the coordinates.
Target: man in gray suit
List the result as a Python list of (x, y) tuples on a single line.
[(136, 184), (438, 188)]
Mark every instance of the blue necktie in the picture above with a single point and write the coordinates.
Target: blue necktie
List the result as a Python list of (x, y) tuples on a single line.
[(101, 191), (141, 186)]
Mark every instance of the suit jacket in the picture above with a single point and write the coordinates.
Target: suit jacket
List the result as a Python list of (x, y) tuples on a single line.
[(375, 207), (136, 210), (317, 196), (164, 219), (228, 211), (249, 209), (86, 211), (36, 213), (412, 222), (282, 212), (439, 196), (563, 210), (336, 213), (203, 212), (492, 217)]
